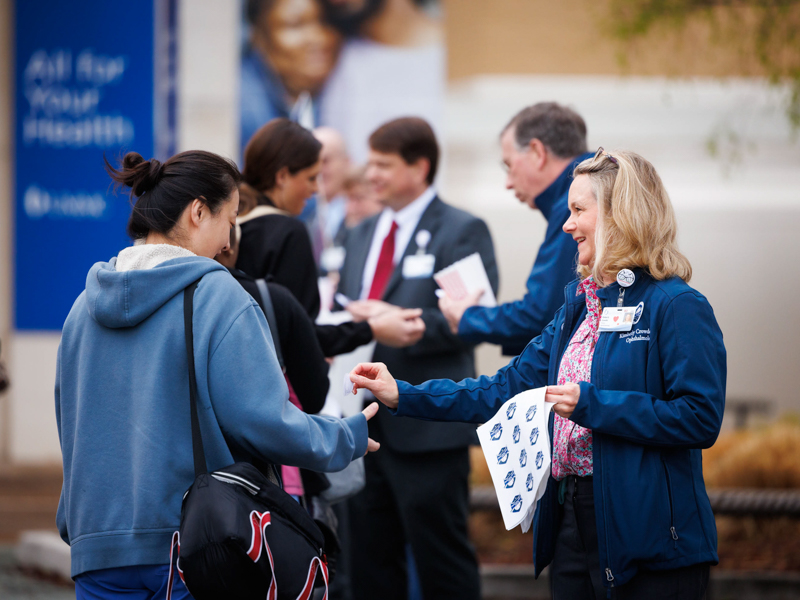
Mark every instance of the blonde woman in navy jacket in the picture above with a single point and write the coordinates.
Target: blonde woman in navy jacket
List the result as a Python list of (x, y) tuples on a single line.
[(625, 514)]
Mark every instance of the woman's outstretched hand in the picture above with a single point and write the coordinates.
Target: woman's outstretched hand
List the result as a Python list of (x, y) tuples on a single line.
[(565, 396), (376, 378), (369, 412)]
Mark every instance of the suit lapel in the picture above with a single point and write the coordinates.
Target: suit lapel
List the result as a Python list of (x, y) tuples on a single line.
[(430, 221), (360, 253)]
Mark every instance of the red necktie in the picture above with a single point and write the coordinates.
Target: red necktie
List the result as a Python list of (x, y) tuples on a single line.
[(385, 266)]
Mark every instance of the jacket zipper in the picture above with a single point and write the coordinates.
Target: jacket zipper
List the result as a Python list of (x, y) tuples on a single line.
[(236, 480), (568, 317), (672, 531), (596, 380)]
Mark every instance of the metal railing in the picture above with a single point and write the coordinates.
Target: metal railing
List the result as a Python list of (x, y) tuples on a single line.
[(723, 501)]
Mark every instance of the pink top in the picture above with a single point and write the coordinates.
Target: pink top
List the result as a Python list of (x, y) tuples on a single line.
[(292, 481), (572, 444)]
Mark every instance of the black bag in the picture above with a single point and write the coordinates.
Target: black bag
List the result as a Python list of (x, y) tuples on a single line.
[(241, 535)]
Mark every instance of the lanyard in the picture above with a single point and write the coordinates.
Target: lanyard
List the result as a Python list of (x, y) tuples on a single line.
[(625, 278)]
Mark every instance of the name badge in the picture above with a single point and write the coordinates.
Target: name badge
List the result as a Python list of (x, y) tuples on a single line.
[(332, 259), (418, 266), (617, 318)]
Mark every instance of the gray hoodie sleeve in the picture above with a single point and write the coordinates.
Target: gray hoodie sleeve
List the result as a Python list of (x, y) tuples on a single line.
[(248, 396)]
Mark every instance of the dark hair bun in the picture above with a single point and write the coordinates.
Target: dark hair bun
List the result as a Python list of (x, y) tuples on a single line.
[(137, 173), (149, 178), (164, 191), (132, 160)]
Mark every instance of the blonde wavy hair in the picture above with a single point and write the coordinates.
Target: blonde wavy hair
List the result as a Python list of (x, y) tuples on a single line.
[(636, 224)]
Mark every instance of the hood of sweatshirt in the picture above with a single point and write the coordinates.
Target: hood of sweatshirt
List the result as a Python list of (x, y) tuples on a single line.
[(126, 298)]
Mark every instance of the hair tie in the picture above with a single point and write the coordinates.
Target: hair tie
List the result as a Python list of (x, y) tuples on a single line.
[(151, 178)]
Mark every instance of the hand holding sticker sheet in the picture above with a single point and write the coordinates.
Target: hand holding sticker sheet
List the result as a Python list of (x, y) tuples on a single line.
[(516, 445), (464, 277)]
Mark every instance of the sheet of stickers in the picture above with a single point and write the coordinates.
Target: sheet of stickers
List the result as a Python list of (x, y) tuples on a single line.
[(517, 449)]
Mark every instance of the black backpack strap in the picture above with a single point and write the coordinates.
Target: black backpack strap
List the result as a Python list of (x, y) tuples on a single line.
[(269, 312), (197, 440)]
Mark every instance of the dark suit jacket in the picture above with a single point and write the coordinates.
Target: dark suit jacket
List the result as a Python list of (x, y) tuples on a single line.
[(455, 234)]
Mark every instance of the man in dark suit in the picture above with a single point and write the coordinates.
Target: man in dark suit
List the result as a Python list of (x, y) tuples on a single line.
[(417, 490)]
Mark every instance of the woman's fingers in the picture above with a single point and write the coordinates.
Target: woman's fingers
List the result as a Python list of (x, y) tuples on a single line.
[(562, 411), (368, 370), (376, 378), (368, 375), (372, 446), (557, 390), (370, 411), (410, 313), (565, 398)]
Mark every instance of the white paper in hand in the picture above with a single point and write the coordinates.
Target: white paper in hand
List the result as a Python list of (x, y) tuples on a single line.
[(516, 445), (464, 277)]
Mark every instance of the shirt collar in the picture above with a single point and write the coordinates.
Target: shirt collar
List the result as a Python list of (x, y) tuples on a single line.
[(411, 214), (559, 188), (587, 286)]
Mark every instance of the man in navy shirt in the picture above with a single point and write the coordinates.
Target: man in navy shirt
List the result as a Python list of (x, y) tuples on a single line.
[(541, 146)]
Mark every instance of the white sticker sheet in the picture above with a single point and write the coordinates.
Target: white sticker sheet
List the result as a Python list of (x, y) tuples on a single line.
[(516, 445), (464, 277)]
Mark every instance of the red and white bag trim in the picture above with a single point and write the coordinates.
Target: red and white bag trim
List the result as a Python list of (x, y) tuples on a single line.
[(258, 543)]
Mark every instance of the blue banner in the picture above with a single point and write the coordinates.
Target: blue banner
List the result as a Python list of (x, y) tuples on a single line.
[(86, 86)]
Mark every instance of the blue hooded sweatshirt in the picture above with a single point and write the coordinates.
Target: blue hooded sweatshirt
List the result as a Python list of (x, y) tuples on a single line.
[(122, 406)]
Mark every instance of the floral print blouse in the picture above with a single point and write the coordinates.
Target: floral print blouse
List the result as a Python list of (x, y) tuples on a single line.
[(572, 444)]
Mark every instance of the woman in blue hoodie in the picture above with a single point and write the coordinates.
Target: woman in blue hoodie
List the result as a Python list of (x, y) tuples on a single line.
[(122, 384), (625, 513)]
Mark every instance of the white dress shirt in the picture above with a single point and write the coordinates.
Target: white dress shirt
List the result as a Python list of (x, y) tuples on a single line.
[(407, 220)]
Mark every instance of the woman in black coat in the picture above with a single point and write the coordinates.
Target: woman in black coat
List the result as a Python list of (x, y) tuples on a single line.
[(281, 164), (304, 363)]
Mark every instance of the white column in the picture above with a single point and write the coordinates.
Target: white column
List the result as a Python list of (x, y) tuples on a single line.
[(6, 214), (208, 65)]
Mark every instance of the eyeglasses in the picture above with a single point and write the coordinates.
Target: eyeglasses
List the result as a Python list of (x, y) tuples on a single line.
[(601, 151)]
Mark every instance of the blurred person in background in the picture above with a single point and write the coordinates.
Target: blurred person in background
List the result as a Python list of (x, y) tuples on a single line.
[(290, 53), (330, 212), (392, 64), (121, 392), (541, 146), (334, 169), (625, 513), (418, 495), (361, 202), (281, 165)]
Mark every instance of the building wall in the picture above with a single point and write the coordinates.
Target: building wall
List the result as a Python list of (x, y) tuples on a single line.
[(571, 37), (209, 76)]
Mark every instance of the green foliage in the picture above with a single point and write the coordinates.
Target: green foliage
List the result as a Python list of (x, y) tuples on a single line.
[(764, 32)]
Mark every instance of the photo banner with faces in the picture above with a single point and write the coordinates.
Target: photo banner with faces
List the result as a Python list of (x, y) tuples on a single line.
[(516, 445)]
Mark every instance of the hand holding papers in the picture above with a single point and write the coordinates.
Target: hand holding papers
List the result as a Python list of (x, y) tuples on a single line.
[(517, 449), (465, 277)]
